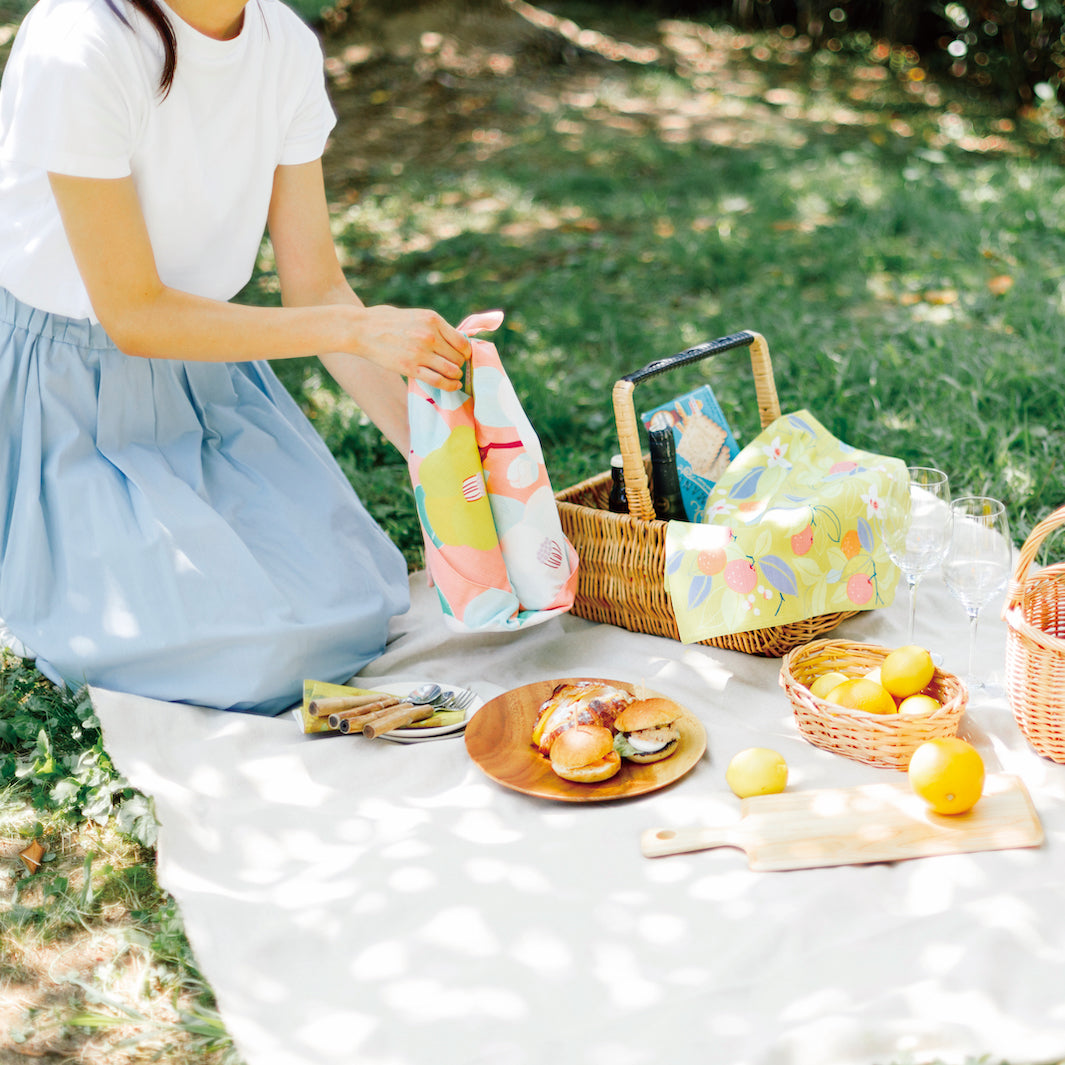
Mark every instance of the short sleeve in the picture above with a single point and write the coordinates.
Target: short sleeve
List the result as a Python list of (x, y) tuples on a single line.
[(313, 118), (66, 106)]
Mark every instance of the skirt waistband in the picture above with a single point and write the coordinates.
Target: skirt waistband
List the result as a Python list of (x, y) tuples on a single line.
[(80, 332)]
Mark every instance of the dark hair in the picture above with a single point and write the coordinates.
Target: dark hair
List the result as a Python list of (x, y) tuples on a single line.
[(155, 15)]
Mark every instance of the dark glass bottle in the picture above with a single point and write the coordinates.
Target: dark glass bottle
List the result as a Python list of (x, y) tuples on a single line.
[(618, 502), (666, 496)]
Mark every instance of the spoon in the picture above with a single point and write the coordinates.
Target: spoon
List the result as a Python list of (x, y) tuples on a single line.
[(427, 693)]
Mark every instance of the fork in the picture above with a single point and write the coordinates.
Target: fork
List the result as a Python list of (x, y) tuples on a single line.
[(459, 699)]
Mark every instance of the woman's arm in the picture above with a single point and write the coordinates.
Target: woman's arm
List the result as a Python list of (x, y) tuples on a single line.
[(107, 233), (310, 275)]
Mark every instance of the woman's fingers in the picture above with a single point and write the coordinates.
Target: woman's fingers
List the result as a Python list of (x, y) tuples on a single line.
[(415, 343), (458, 344)]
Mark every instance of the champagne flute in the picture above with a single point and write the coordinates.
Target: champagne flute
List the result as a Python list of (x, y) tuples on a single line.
[(919, 544), (979, 560)]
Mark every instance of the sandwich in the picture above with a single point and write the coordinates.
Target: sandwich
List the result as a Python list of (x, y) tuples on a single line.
[(585, 754), (647, 730), (578, 702)]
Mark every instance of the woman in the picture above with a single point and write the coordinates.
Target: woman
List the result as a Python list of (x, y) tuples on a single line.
[(170, 524)]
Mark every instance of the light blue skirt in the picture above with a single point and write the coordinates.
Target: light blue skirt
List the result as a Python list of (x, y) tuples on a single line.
[(177, 529)]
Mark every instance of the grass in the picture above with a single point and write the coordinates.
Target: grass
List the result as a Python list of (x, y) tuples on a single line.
[(901, 250), (899, 244)]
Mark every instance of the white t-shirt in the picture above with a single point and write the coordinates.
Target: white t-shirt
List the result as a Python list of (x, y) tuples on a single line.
[(80, 96)]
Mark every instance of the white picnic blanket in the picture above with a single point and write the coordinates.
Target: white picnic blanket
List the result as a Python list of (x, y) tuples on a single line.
[(367, 903)]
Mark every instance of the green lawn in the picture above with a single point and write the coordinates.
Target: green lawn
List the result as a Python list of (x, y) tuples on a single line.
[(901, 247), (902, 250)]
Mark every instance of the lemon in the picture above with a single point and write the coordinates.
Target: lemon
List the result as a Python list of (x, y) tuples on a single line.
[(907, 670), (875, 676), (826, 682), (919, 704), (860, 693), (757, 771), (948, 774)]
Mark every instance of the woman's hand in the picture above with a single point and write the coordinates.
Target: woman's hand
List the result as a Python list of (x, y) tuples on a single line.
[(414, 343)]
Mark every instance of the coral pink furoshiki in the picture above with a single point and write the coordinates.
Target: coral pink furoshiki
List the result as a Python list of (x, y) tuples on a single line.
[(494, 545)]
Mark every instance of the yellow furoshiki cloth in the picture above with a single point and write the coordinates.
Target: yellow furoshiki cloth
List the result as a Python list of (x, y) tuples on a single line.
[(794, 529)]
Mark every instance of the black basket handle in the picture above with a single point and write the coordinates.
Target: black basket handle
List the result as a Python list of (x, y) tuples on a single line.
[(637, 488)]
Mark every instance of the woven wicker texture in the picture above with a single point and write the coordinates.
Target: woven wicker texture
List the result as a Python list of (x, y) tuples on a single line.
[(1035, 645), (876, 739), (621, 578)]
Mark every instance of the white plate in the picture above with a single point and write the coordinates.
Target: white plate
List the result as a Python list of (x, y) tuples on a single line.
[(415, 735)]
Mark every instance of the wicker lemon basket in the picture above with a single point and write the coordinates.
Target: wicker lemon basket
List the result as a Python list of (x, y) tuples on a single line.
[(621, 577), (1035, 645), (886, 740)]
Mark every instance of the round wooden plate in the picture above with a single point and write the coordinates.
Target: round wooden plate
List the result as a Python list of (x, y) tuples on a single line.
[(498, 739)]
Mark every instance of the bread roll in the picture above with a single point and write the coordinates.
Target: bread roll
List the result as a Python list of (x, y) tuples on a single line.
[(647, 730), (585, 754)]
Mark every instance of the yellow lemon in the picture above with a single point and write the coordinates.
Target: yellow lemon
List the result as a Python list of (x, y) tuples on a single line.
[(907, 670), (919, 704), (948, 774), (860, 693), (826, 682), (875, 676), (757, 771)]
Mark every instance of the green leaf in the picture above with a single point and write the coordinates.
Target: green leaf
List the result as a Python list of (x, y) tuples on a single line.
[(136, 818)]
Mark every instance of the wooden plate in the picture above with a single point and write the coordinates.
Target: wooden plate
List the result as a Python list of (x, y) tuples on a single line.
[(499, 740)]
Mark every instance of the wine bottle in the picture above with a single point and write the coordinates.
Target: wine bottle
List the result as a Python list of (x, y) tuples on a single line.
[(618, 501), (666, 495)]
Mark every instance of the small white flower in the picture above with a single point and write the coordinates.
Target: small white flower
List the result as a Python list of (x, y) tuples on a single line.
[(874, 505), (775, 452)]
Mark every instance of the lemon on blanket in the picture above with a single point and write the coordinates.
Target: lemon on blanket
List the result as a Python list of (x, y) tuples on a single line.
[(907, 670), (948, 774), (757, 771)]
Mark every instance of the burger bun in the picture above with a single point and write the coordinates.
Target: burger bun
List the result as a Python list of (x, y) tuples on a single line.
[(647, 713), (585, 754), (647, 731)]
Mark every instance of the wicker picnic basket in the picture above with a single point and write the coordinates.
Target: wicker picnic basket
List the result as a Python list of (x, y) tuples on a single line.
[(875, 739), (621, 577), (1035, 645)]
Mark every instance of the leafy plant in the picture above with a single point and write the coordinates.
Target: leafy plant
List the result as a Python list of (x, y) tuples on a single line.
[(52, 745)]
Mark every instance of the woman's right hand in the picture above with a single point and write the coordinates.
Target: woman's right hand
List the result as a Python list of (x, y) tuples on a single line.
[(414, 343)]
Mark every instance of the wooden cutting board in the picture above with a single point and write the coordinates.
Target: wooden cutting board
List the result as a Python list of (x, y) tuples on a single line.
[(850, 826)]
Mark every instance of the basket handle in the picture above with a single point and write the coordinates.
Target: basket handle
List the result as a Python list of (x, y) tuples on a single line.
[(1052, 521), (637, 488)]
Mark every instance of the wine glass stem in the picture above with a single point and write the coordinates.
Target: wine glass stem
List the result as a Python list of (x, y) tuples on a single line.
[(974, 616), (913, 606)]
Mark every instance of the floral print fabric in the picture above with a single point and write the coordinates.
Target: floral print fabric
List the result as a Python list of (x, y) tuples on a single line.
[(793, 529)]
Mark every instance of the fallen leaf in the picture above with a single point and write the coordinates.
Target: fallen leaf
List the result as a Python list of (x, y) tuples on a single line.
[(1000, 284), (32, 856)]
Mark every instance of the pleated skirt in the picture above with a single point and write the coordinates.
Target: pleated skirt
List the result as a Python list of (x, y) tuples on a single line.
[(177, 529)]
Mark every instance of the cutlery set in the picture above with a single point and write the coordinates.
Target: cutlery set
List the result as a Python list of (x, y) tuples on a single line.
[(376, 714)]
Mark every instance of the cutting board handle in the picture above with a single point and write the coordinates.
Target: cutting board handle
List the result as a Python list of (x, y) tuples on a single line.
[(659, 842)]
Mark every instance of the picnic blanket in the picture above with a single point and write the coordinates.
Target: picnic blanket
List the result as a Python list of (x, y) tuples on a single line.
[(364, 901)]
